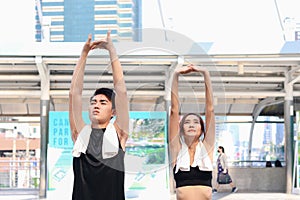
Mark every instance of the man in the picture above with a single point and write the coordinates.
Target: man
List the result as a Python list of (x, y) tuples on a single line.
[(99, 148)]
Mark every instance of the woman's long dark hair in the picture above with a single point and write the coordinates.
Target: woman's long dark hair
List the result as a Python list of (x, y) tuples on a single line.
[(183, 119), (220, 147)]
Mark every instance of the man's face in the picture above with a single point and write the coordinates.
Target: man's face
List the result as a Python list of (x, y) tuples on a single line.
[(100, 109)]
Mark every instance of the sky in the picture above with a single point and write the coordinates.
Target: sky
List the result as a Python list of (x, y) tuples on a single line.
[(234, 26), (223, 21), (17, 21), (219, 20)]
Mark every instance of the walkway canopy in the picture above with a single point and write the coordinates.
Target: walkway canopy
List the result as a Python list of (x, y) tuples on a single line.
[(241, 81)]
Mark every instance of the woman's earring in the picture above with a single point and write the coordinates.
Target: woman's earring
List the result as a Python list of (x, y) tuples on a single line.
[(201, 137)]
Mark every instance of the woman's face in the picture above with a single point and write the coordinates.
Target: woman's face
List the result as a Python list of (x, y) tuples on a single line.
[(192, 126), (220, 150)]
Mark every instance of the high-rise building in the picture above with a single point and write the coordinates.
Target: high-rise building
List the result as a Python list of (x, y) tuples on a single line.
[(279, 133), (73, 20), (291, 29), (267, 139)]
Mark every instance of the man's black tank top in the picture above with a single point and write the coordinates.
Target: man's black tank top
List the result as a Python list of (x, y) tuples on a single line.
[(96, 178)]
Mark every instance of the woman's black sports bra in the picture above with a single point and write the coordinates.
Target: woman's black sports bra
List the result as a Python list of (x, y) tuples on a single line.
[(193, 177)]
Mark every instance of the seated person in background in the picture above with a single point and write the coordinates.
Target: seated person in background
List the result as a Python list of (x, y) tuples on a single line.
[(268, 164), (278, 163)]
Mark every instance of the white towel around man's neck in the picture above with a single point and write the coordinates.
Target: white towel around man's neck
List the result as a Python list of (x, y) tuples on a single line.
[(110, 146), (201, 158)]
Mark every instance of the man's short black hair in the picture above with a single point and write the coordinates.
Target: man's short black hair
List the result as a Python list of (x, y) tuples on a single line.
[(109, 93)]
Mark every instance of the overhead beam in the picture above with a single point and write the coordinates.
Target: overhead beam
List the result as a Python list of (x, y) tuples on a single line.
[(142, 78)]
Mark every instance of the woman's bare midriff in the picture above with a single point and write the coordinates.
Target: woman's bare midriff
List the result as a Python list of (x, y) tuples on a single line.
[(194, 193)]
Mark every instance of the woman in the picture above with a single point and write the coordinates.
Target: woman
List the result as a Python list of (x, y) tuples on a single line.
[(192, 144), (222, 165)]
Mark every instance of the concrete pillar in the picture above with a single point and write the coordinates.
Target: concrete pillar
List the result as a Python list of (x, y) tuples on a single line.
[(288, 144), (288, 124), (45, 104), (44, 117)]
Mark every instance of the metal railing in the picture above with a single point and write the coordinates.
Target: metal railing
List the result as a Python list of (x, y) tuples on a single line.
[(26, 173), (19, 173), (252, 163)]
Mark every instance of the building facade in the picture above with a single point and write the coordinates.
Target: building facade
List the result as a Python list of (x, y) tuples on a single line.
[(291, 28), (73, 20)]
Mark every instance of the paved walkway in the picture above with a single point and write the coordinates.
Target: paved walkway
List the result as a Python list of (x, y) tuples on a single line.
[(255, 196), (33, 195)]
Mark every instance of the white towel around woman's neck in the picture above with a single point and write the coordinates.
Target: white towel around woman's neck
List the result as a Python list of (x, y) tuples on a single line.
[(201, 158), (110, 146)]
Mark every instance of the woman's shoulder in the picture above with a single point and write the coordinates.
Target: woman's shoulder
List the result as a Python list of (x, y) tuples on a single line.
[(223, 155)]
